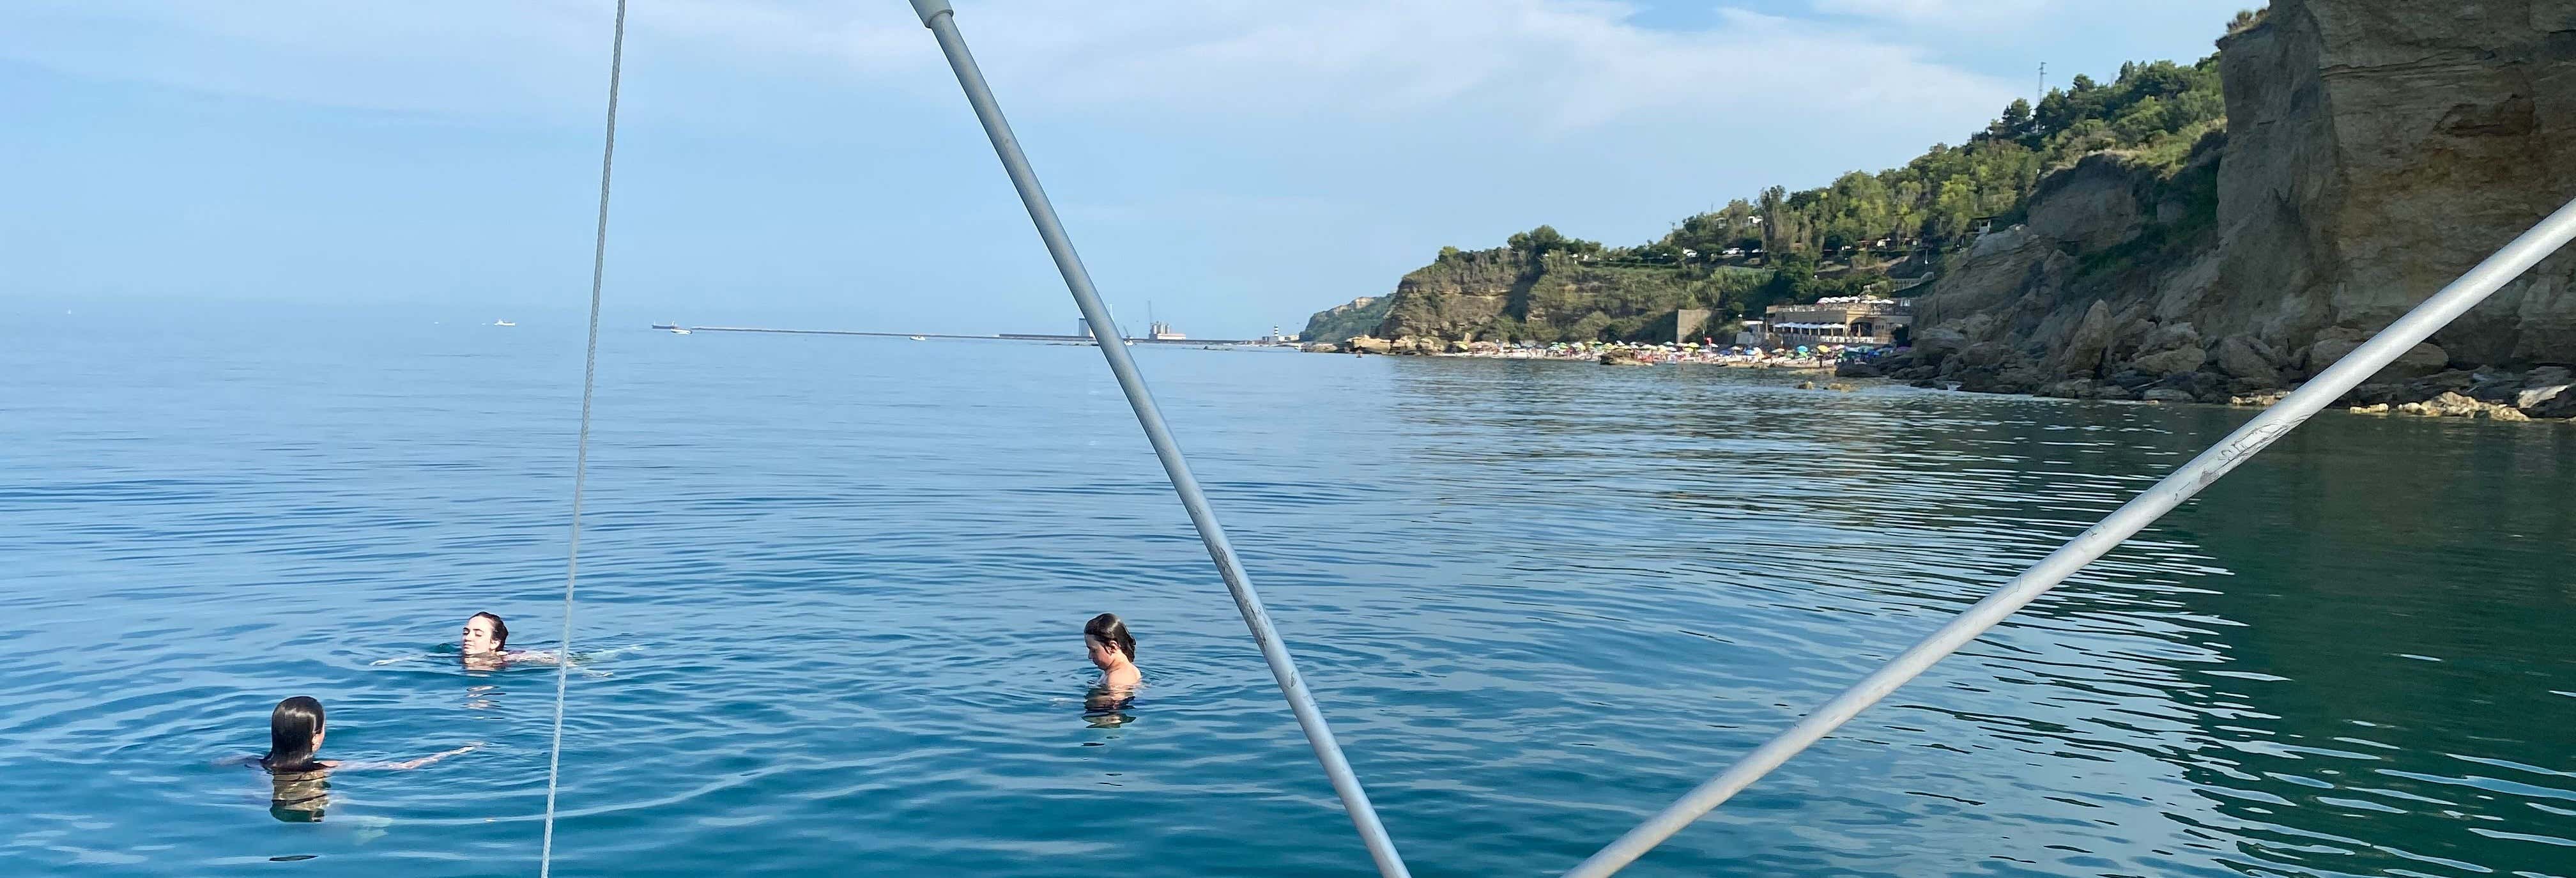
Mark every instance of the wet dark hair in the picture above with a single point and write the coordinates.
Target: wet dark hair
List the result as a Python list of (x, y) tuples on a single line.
[(290, 734), (500, 629), (1107, 626)]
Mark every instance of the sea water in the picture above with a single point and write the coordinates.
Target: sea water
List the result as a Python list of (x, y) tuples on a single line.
[(838, 584)]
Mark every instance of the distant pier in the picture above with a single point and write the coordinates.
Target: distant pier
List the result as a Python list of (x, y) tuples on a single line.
[(999, 336)]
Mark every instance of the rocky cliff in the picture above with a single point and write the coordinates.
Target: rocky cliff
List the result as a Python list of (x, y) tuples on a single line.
[(2374, 150), (1342, 322), (1455, 295), (1550, 295)]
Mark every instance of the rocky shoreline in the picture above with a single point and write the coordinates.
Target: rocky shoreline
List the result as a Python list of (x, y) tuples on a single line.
[(1605, 353), (2173, 364)]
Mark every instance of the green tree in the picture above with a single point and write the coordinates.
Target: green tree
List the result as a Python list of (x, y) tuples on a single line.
[(1593, 327), (1775, 209), (1536, 241), (2155, 113), (2014, 124)]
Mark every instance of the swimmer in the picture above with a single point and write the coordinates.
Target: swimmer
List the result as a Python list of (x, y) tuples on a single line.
[(299, 782), (295, 731), (1113, 650), (485, 645)]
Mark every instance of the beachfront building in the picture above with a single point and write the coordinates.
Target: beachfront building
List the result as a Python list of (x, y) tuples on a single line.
[(1844, 320)]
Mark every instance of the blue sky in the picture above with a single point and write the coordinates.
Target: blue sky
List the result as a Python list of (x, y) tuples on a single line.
[(1235, 164)]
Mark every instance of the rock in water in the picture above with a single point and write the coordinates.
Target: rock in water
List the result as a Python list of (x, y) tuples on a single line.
[(2447, 405), (2075, 388), (2453, 405), (2560, 406), (2167, 394)]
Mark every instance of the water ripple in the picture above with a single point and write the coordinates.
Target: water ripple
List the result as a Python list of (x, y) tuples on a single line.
[(832, 591)]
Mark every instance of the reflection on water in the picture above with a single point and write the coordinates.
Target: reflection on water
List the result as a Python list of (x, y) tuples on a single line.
[(1105, 707), (2333, 663), (1536, 600), (299, 796)]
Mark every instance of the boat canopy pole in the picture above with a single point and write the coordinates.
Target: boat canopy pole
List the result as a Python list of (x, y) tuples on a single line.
[(2364, 361), (942, 21)]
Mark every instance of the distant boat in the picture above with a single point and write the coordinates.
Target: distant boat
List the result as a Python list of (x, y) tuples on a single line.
[(679, 330), (919, 338), (503, 323)]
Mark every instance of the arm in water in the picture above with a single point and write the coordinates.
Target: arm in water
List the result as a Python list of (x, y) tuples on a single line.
[(408, 764)]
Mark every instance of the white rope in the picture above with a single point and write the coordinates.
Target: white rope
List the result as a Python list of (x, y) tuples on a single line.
[(581, 446)]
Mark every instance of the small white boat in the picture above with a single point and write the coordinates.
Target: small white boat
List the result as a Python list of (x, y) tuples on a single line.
[(679, 330), (919, 338), (503, 323)]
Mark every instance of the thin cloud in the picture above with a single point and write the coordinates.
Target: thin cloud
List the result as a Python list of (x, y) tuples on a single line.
[(1949, 14), (1547, 65)]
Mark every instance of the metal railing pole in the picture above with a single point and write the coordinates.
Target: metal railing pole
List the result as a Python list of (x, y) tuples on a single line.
[(2369, 358), (942, 21)]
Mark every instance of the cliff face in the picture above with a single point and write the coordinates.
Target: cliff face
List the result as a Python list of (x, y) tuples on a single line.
[(1342, 322), (1483, 294), (2374, 151), (2383, 148), (1454, 296)]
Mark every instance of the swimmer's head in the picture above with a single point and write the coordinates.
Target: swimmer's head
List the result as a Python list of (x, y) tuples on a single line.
[(484, 634), (294, 734), (1107, 638)]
